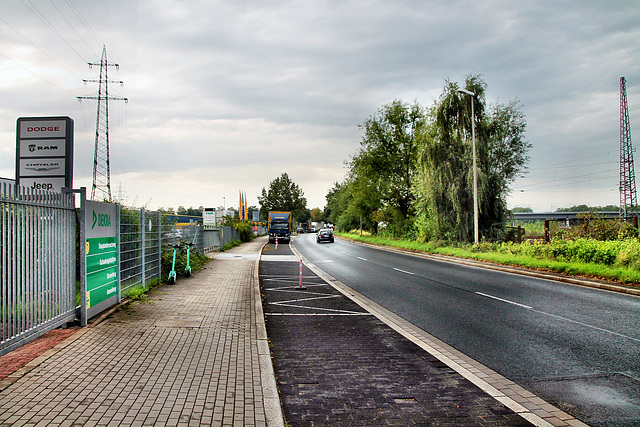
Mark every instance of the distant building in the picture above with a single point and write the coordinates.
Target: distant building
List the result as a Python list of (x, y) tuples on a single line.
[(220, 214)]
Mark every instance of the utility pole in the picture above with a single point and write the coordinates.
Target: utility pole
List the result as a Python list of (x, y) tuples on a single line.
[(476, 234), (628, 194), (101, 189)]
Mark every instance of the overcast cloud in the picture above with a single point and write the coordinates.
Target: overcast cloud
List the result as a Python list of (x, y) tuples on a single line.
[(226, 96)]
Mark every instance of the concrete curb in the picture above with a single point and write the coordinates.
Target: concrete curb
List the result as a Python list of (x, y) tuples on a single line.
[(272, 405)]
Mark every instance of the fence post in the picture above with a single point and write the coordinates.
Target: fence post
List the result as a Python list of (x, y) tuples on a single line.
[(142, 251), (159, 245), (83, 257), (546, 231)]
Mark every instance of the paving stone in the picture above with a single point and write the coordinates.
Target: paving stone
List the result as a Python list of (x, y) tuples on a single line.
[(199, 334)]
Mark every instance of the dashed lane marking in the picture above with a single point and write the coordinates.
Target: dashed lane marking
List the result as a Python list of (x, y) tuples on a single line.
[(404, 271), (504, 300)]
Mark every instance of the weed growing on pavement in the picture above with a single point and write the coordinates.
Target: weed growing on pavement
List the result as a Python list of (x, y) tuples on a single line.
[(231, 245), (138, 294)]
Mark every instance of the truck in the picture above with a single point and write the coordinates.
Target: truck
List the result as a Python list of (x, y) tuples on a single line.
[(279, 226)]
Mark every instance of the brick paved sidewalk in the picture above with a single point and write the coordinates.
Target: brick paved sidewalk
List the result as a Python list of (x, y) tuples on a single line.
[(195, 354)]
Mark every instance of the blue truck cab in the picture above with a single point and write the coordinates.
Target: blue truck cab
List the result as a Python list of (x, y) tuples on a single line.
[(279, 226)]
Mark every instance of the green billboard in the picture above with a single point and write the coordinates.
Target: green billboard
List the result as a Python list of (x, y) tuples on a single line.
[(101, 256), (102, 269)]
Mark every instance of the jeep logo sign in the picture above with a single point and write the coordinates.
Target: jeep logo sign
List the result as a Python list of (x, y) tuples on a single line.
[(44, 153), (42, 186)]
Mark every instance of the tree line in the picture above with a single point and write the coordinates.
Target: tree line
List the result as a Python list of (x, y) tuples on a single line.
[(412, 176)]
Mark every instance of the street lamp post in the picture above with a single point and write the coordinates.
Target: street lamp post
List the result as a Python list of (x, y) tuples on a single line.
[(475, 169)]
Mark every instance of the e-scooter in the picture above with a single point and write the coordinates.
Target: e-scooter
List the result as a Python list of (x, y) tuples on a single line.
[(172, 273), (187, 269)]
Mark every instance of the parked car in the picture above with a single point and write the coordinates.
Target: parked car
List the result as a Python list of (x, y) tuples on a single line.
[(324, 235), (173, 234)]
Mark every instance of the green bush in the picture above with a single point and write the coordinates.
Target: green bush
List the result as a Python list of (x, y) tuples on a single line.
[(629, 254), (245, 231), (616, 253), (613, 260), (196, 261)]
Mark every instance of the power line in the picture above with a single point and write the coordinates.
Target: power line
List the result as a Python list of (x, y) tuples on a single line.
[(37, 75), (577, 160), (34, 45), (568, 185), (33, 9), (577, 179), (71, 26), (84, 22), (555, 178)]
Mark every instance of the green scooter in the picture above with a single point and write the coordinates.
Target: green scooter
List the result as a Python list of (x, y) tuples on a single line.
[(187, 269), (172, 273)]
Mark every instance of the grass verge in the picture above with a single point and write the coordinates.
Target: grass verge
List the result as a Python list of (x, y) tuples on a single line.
[(591, 270)]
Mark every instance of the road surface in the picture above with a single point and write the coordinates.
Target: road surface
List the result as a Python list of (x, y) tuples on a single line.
[(576, 347)]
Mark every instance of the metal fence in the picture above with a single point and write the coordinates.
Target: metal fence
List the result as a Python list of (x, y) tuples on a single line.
[(38, 259), (140, 248), (37, 263), (205, 238)]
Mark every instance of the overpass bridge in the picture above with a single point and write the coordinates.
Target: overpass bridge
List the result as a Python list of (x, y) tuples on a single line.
[(569, 218), (532, 216)]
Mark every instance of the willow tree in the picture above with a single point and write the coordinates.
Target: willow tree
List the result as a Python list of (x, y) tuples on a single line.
[(444, 186)]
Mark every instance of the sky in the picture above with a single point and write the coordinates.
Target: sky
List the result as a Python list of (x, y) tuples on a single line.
[(225, 96)]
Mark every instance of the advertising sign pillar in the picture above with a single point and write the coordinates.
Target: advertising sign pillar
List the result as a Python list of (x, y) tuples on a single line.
[(209, 217), (101, 284), (44, 153)]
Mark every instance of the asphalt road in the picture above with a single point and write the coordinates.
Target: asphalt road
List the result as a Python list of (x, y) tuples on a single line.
[(578, 348)]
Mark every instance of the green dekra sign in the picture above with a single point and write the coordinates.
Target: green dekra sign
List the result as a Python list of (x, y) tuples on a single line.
[(101, 256)]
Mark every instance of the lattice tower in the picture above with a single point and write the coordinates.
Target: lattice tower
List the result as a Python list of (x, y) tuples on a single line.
[(628, 194), (101, 189)]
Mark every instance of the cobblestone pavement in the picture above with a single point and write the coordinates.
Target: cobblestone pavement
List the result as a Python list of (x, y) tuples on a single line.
[(338, 364), (194, 354)]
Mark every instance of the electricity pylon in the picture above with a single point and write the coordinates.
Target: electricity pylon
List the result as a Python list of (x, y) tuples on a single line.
[(628, 194), (101, 189)]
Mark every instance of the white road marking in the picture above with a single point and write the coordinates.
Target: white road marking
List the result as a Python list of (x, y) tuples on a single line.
[(363, 259), (318, 314), (315, 308), (404, 271), (305, 299), (588, 326), (504, 300)]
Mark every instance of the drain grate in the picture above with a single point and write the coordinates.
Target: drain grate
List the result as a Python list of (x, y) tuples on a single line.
[(405, 400), (179, 322)]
